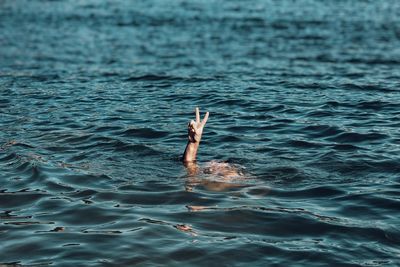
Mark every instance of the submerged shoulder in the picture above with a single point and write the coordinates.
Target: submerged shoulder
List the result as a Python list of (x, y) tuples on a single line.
[(224, 169)]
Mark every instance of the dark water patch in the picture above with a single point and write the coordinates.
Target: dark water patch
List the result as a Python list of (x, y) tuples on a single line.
[(17, 144), (277, 107), (319, 113), (141, 149), (388, 165), (374, 61), (148, 133), (108, 128), (20, 199), (26, 167), (275, 127), (4, 103), (77, 139), (283, 174), (149, 186), (346, 147), (361, 211), (314, 192), (159, 78), (231, 102), (105, 232), (308, 86), (242, 129), (7, 215), (372, 201), (9, 157), (229, 138), (305, 144), (321, 130), (149, 198), (96, 181), (54, 186), (84, 193), (366, 88), (259, 117), (79, 157), (41, 77), (110, 74), (332, 105), (187, 254), (354, 167), (376, 105), (113, 144), (284, 120), (352, 137), (93, 215), (23, 223), (237, 220)]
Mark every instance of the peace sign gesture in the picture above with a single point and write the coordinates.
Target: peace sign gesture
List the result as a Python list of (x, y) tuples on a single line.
[(195, 128)]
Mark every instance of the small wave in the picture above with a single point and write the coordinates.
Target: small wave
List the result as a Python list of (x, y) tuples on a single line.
[(346, 147), (319, 113), (388, 165), (14, 143), (147, 133), (351, 137), (366, 87), (156, 78), (370, 201), (77, 138), (151, 77), (321, 130), (42, 77), (320, 191), (93, 215), (9, 157), (305, 144), (276, 107), (19, 199), (283, 174), (376, 105), (107, 128), (304, 85), (242, 128), (140, 149), (374, 61), (232, 102), (229, 139)]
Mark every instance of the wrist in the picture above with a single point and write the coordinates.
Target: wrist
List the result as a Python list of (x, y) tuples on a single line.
[(193, 146)]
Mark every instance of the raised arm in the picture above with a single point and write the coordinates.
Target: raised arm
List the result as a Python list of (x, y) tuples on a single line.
[(195, 130)]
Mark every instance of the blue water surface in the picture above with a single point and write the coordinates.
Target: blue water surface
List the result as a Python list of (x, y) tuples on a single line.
[(304, 99)]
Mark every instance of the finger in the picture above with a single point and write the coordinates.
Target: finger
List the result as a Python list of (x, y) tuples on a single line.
[(197, 115), (205, 118)]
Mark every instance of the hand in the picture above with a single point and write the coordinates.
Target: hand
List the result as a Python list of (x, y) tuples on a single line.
[(195, 128)]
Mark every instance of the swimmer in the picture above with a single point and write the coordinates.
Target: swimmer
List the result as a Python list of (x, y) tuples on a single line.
[(213, 168)]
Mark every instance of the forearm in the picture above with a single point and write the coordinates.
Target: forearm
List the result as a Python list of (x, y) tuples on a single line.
[(190, 152)]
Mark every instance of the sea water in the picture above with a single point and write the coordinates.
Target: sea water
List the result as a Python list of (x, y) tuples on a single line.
[(304, 99)]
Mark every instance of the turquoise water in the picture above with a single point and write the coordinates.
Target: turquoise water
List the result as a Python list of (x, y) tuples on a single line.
[(95, 97)]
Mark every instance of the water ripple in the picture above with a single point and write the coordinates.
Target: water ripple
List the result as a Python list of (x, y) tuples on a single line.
[(95, 98)]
